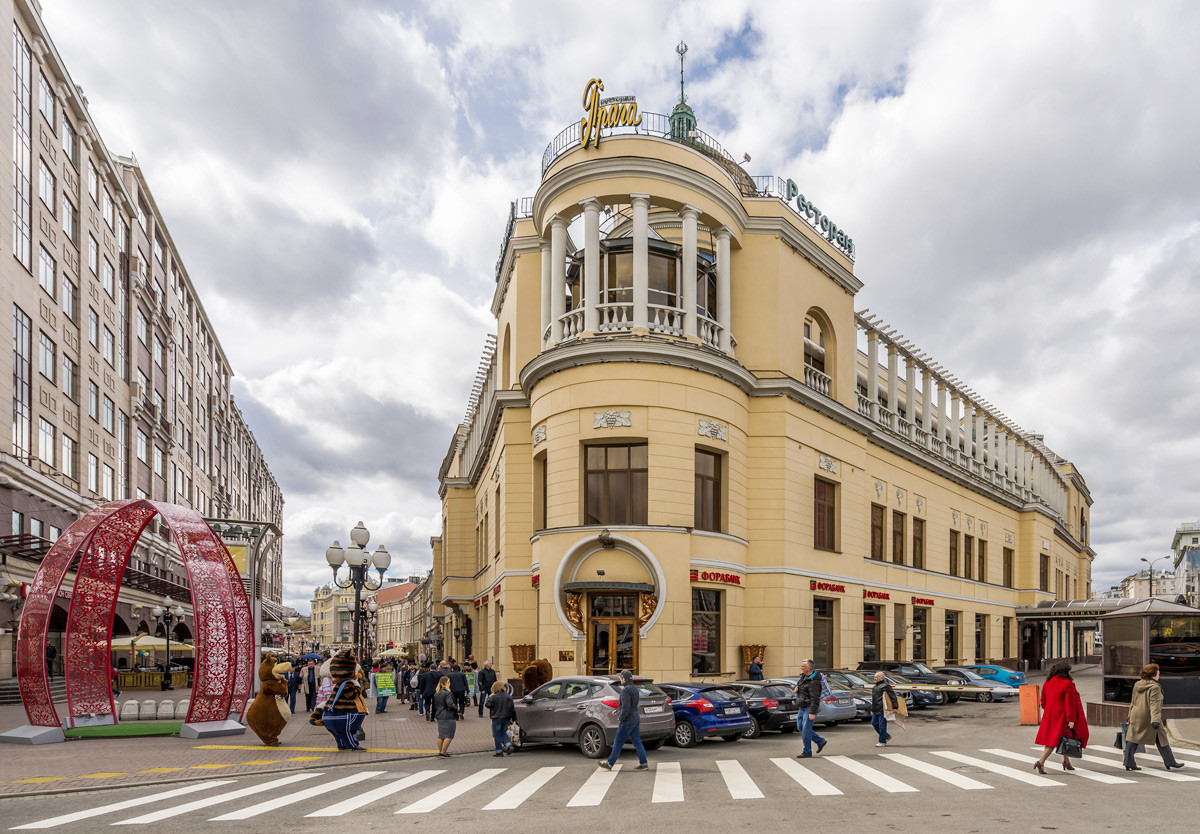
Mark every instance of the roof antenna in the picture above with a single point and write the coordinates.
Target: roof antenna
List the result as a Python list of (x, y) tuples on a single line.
[(681, 49)]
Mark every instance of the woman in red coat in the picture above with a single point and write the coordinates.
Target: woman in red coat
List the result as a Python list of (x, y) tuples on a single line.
[(1062, 714)]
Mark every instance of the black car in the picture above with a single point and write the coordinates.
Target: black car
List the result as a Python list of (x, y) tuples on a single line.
[(772, 706), (914, 671)]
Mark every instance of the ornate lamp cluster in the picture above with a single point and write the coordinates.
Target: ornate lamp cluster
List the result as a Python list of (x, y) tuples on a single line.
[(167, 613), (358, 560)]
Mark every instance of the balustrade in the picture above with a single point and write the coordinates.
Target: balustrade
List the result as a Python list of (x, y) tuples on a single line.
[(710, 332), (887, 418), (667, 320), (864, 406), (572, 323), (816, 380), (615, 317)]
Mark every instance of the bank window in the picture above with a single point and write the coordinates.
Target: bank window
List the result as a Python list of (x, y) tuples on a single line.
[(918, 543), (920, 633), (968, 556), (872, 616), (708, 491), (824, 514), (1007, 639), (823, 633), (982, 574), (706, 632), (616, 484), (953, 553), (1044, 573), (1008, 570), (877, 532), (952, 636), (898, 538)]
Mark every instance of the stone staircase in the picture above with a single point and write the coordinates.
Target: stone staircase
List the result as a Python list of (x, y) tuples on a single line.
[(10, 693)]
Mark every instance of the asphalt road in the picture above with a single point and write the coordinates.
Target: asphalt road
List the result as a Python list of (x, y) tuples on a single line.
[(962, 767)]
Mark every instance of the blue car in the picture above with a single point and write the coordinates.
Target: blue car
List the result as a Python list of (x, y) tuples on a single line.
[(998, 674), (704, 710)]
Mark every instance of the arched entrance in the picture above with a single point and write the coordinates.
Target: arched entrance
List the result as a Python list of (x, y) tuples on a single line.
[(102, 541)]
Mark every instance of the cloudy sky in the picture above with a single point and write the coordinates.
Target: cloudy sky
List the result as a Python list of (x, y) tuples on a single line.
[(1021, 181)]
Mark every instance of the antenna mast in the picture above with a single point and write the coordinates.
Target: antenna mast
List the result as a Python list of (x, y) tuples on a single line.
[(681, 49)]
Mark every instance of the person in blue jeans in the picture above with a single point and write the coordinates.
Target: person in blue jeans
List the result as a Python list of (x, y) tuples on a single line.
[(629, 724), (502, 711), (878, 707), (808, 688)]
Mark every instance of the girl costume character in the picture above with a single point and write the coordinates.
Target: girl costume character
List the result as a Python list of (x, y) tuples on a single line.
[(342, 713)]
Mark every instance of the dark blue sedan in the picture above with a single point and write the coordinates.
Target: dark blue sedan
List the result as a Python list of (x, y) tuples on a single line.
[(998, 674), (705, 710)]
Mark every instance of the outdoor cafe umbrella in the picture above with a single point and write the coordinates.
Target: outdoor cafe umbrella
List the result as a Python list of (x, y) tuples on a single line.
[(391, 653), (146, 643)]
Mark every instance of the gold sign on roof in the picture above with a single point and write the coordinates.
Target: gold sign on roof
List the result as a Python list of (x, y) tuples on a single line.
[(617, 111)]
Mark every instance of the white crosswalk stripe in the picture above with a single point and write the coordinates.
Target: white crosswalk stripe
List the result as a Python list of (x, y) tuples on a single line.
[(1191, 754), (66, 819), (872, 775), (956, 779), (440, 798), (359, 800), (196, 805), (740, 785), (594, 789), (668, 782), (1001, 770), (804, 777), (1101, 756), (1080, 771), (527, 787), (292, 798)]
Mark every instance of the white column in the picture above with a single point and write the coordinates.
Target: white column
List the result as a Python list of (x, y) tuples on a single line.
[(723, 307), (641, 260), (558, 276), (1022, 473), (543, 339), (591, 264), (688, 273), (910, 386), (894, 380), (926, 404), (996, 464), (873, 374), (980, 424), (955, 423), (941, 411), (968, 427)]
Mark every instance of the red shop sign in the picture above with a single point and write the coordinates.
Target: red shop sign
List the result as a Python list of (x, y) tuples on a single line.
[(715, 576), (921, 601), (496, 590), (875, 594), (814, 585)]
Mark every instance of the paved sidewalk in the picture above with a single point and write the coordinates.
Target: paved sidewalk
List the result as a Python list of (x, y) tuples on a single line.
[(85, 764)]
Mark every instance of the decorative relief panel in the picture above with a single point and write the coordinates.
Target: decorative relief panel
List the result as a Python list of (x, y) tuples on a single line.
[(878, 489), (983, 528), (899, 498), (611, 419), (1008, 537), (954, 517), (539, 434), (713, 429), (920, 505), (828, 464), (970, 523)]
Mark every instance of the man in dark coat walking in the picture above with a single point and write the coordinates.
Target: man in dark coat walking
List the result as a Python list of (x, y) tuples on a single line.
[(458, 688), (483, 682)]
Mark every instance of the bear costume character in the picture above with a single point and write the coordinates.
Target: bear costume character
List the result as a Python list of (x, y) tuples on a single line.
[(344, 703), (266, 717)]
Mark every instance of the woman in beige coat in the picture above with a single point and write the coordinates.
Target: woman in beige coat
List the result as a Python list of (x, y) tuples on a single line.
[(1145, 720)]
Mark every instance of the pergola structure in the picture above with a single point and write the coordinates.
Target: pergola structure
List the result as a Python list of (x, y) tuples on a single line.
[(101, 542)]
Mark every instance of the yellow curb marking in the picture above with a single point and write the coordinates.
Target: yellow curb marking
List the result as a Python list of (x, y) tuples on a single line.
[(101, 775), (307, 749), (305, 758), (38, 779), (263, 761), (161, 770), (210, 766)]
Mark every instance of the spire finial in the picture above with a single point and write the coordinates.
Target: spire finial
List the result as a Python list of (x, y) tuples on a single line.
[(681, 49)]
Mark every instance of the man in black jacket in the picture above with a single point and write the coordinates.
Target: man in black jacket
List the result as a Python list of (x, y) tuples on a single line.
[(808, 688), (629, 724), (429, 682), (878, 718), (483, 683), (458, 688)]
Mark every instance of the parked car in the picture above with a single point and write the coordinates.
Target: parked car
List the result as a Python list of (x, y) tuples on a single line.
[(999, 674), (913, 670), (921, 697), (583, 711), (772, 706), (996, 691), (861, 684), (835, 710), (706, 711)]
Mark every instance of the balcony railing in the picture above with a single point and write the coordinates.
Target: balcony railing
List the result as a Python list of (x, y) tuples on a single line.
[(652, 124), (816, 380), (615, 317), (666, 320)]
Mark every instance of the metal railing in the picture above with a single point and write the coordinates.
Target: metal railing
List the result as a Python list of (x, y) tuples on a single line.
[(517, 210), (652, 124)]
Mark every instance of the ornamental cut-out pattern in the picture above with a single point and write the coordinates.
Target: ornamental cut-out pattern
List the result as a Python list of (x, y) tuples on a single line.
[(610, 419), (828, 464), (711, 428)]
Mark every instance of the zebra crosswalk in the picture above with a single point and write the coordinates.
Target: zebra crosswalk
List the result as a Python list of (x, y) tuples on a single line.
[(377, 789)]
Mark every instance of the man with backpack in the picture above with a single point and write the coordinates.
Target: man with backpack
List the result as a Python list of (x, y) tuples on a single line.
[(810, 689)]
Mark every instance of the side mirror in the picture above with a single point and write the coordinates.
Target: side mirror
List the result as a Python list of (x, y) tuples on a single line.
[(528, 699)]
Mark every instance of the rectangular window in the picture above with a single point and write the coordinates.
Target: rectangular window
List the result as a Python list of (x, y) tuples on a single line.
[(877, 515), (35, 527), (898, 537), (70, 299), (45, 442), (70, 221), (108, 415), (93, 255), (109, 347), (107, 209), (1007, 638), (706, 632), (94, 401), (918, 551), (953, 633), (18, 523), (107, 480), (47, 356), (158, 352), (55, 532), (823, 633), (22, 156), (69, 144), (539, 499), (93, 473), (107, 278), (22, 383), (954, 553), (141, 327), (158, 462), (46, 101), (93, 328), (122, 454), (616, 483), (708, 491), (70, 378), (141, 446), (981, 575), (1008, 571), (158, 247), (47, 187), (920, 633), (93, 183), (968, 556), (824, 514), (1044, 573), (46, 270), (69, 460)]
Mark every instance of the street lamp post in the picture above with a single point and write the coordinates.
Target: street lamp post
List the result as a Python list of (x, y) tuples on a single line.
[(167, 614), (357, 559), (1151, 562)]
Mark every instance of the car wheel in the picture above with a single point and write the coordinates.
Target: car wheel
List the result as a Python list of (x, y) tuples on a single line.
[(654, 744), (732, 737), (591, 741), (685, 734), (755, 729), (984, 697)]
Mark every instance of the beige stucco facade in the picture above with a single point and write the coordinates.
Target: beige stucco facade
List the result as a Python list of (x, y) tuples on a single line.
[(654, 300)]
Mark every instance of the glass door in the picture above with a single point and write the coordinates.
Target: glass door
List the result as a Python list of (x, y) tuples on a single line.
[(600, 648), (612, 634)]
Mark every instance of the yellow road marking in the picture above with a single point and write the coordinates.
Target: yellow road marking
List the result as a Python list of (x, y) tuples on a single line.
[(210, 766), (305, 758), (38, 779), (161, 770), (101, 775), (305, 749), (263, 761)]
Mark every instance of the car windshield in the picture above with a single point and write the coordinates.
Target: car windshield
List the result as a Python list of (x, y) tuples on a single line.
[(923, 669), (971, 676), (857, 680), (649, 689), (718, 695), (897, 677), (775, 691), (838, 686)]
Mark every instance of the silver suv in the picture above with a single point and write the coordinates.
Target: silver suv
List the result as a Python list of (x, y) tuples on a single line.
[(583, 710)]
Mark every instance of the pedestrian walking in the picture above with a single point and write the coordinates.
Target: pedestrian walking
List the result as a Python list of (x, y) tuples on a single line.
[(308, 686), (342, 713), (880, 692), (1062, 715), (808, 689), (293, 685), (445, 709), (51, 653), (429, 682), (458, 688), (1146, 723), (502, 711), (629, 722), (756, 671), (485, 681)]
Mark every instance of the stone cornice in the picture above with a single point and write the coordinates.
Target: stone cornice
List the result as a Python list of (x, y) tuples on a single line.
[(806, 247), (489, 425)]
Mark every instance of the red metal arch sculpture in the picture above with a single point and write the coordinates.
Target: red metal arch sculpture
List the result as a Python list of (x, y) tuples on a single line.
[(103, 540)]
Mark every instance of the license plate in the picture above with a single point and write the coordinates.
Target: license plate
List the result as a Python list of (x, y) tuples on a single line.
[(843, 703), (649, 710), (732, 710)]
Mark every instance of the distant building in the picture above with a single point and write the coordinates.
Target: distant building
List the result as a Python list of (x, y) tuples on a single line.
[(1186, 546), (1139, 586)]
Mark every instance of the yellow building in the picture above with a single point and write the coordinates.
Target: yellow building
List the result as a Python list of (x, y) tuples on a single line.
[(684, 440)]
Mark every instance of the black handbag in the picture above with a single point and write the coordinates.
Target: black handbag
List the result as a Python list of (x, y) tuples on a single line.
[(1120, 742), (1070, 746)]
